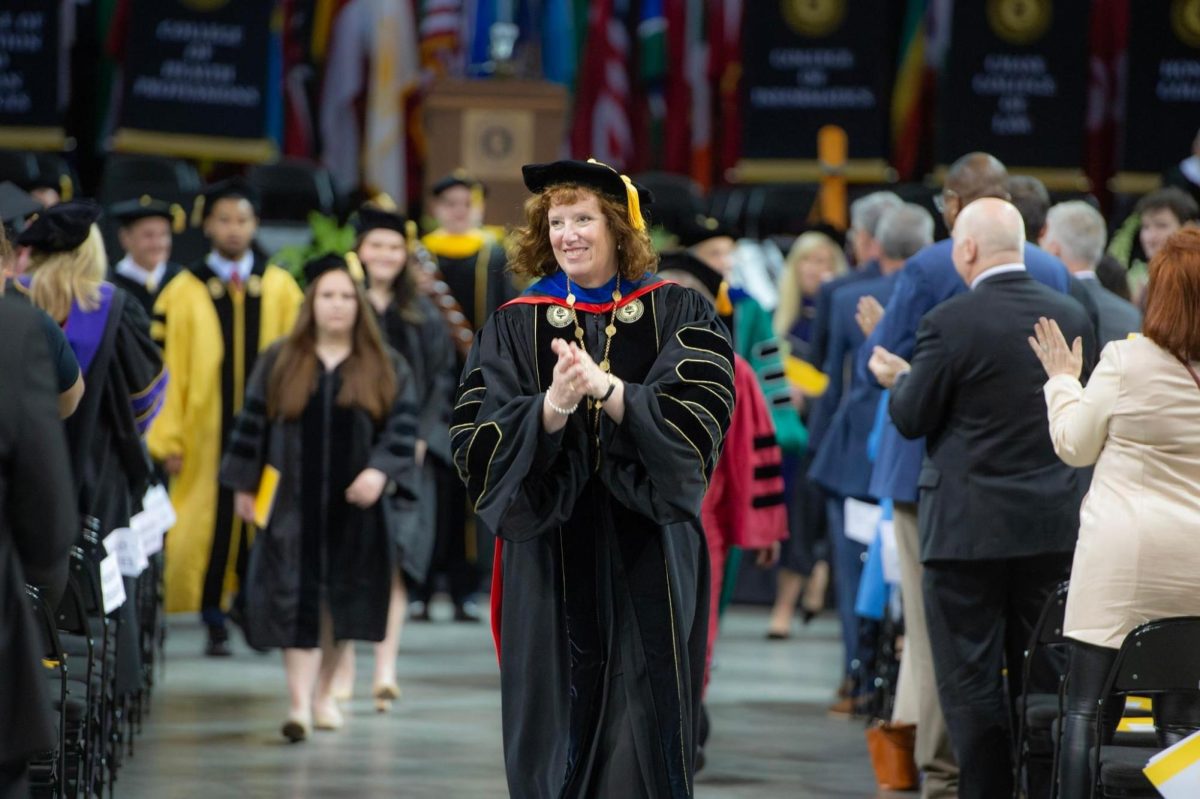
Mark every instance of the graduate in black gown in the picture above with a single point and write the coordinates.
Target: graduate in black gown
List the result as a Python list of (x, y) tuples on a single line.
[(412, 325), (122, 368), (145, 236), (590, 415), (329, 415)]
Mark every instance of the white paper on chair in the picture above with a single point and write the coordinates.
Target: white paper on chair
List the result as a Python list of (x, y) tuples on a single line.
[(862, 521), (1175, 771), (131, 557), (112, 585), (157, 503), (891, 554)]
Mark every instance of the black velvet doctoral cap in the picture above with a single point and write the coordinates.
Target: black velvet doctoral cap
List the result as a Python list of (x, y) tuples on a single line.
[(315, 267), (16, 205), (370, 217), (61, 227), (684, 261), (701, 228), (130, 211), (459, 177), (593, 175), (231, 187)]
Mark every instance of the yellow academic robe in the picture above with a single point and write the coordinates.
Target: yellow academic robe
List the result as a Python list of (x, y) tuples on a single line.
[(197, 318)]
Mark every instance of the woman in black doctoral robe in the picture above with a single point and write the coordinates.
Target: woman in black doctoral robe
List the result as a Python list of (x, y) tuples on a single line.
[(591, 413), (414, 327), (328, 411)]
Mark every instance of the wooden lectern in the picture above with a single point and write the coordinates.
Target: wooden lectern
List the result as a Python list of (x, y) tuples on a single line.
[(490, 128)]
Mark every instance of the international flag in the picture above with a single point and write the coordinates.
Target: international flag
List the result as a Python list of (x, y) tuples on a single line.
[(601, 127)]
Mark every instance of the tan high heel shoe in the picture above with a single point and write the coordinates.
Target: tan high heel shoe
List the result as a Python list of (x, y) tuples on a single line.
[(328, 718), (385, 694), (296, 729)]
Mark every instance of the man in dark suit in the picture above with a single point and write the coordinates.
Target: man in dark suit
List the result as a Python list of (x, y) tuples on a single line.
[(37, 525), (998, 510), (1075, 232), (865, 215)]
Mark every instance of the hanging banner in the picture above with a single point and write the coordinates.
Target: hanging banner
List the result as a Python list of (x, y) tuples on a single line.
[(1015, 86), (196, 80), (1162, 87), (31, 98), (811, 64)]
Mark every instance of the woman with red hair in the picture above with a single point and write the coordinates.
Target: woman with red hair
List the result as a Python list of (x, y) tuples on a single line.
[(1138, 422)]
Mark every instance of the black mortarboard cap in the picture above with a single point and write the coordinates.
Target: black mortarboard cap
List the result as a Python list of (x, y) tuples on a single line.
[(370, 217), (231, 187), (459, 177), (699, 228), (594, 175), (684, 261), (130, 211), (315, 267), (61, 227), (16, 205)]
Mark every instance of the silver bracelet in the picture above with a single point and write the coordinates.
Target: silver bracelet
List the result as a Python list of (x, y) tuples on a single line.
[(558, 410)]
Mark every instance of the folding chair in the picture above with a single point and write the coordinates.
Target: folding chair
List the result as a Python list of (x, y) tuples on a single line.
[(1156, 658), (1037, 713)]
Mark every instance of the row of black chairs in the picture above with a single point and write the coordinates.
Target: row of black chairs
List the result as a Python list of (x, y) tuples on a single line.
[(1157, 658), (100, 669)]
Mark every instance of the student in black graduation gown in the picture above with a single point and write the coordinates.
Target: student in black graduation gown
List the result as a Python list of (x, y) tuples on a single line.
[(472, 262), (109, 334), (329, 410), (590, 415), (412, 325), (38, 523), (145, 236)]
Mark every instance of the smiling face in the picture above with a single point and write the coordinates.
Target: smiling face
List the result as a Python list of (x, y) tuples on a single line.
[(383, 255), (583, 245), (335, 304), (1157, 226), (147, 241), (718, 253), (814, 268)]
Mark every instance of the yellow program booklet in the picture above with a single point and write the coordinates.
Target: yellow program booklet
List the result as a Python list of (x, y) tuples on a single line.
[(264, 501)]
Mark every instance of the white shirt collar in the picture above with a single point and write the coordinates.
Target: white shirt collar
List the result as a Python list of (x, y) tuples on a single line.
[(1087, 274), (225, 268), (128, 269), (996, 270)]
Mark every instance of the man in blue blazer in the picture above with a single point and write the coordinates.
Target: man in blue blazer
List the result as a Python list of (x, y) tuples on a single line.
[(929, 279), (840, 465)]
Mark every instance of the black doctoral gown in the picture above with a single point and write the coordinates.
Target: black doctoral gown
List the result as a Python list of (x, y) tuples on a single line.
[(428, 350), (599, 601), (316, 545), (140, 291)]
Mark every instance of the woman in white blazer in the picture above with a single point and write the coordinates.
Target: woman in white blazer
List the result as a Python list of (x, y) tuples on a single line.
[(1138, 555)]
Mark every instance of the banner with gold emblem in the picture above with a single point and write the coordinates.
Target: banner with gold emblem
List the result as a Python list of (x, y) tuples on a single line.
[(32, 96), (1014, 84), (812, 63), (1162, 86), (196, 80)]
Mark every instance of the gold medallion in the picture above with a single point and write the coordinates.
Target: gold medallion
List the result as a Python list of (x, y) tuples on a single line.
[(571, 299), (631, 311), (611, 330), (1185, 20), (1020, 21), (254, 286), (216, 288), (604, 365), (558, 315), (814, 19)]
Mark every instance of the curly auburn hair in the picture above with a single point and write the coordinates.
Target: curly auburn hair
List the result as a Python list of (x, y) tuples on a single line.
[(530, 254)]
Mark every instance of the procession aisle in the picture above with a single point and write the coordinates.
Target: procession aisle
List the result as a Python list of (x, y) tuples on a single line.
[(214, 727)]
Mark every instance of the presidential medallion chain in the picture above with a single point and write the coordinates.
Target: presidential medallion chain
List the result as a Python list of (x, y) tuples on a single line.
[(596, 406)]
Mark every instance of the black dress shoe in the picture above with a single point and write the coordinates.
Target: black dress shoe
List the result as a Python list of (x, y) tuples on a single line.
[(218, 642), (468, 611)]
